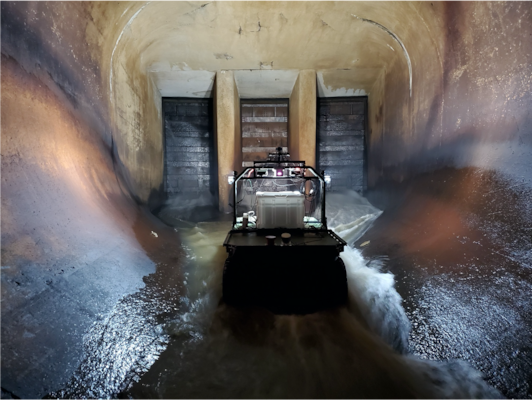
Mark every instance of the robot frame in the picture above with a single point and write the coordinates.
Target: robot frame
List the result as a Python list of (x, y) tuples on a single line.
[(281, 255)]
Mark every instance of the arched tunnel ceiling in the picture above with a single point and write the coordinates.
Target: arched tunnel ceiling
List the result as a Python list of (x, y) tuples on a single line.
[(175, 48), (167, 38), (409, 57)]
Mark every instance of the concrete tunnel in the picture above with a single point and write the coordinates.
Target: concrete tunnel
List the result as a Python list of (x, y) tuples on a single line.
[(448, 89)]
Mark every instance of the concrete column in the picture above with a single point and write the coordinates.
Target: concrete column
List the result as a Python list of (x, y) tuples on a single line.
[(302, 118), (227, 138)]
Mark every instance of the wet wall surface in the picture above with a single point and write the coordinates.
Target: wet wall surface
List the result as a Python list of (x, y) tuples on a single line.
[(73, 240), (76, 249), (57, 42), (459, 242), (470, 100)]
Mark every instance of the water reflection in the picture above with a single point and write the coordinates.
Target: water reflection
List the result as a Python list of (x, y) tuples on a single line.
[(204, 349), (217, 351)]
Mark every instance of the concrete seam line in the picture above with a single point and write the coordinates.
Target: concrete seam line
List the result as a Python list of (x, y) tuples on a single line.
[(116, 45), (389, 32)]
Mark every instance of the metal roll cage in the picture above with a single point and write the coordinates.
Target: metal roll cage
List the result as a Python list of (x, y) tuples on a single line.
[(253, 173)]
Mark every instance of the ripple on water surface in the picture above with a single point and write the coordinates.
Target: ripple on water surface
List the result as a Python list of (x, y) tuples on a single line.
[(191, 345)]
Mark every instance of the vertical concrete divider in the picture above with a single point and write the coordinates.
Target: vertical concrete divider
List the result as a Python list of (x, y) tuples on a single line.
[(302, 118), (238, 130), (293, 122), (227, 109)]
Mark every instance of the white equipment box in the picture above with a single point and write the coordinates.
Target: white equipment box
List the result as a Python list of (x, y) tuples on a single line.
[(280, 210)]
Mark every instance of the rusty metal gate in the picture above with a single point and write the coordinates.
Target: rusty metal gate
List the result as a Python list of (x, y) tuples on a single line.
[(264, 128), (190, 160), (341, 141)]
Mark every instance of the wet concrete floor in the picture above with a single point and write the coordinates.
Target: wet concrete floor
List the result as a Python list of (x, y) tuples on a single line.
[(459, 243), (47, 334), (176, 339), (461, 261)]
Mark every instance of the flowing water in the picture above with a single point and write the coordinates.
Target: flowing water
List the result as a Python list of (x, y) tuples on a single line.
[(189, 344)]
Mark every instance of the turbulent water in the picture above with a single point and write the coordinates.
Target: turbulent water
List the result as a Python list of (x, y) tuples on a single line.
[(204, 349)]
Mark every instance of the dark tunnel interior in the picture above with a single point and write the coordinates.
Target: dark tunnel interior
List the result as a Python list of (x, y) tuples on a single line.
[(120, 124)]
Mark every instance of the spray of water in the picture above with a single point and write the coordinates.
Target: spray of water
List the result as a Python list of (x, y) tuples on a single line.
[(374, 294), (215, 351), (370, 290), (218, 351)]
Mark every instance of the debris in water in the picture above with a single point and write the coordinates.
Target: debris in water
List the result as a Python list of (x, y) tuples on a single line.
[(365, 243), (154, 234)]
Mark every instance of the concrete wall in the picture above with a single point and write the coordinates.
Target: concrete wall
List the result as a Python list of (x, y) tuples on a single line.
[(228, 142), (470, 69), (73, 239), (293, 122), (136, 48), (238, 130), (302, 118), (471, 106), (449, 47)]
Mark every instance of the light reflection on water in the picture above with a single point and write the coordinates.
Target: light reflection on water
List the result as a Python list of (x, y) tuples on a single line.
[(205, 349)]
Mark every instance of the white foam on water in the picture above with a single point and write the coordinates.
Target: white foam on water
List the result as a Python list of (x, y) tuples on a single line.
[(454, 379), (374, 294), (370, 290)]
